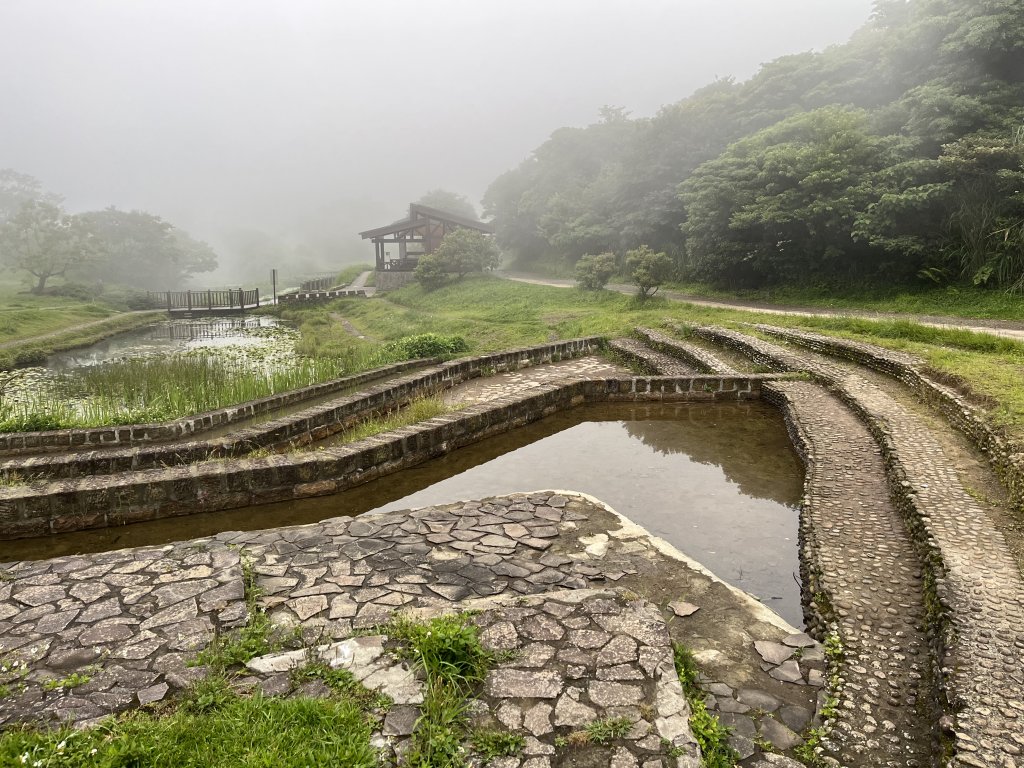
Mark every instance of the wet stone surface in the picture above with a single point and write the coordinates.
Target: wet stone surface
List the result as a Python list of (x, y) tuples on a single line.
[(557, 580), (487, 388)]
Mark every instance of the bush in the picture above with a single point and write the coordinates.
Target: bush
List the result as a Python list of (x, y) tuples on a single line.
[(594, 271), (431, 272), (648, 270), (422, 345)]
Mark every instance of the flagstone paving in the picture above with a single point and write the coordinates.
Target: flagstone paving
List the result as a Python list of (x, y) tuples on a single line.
[(130, 621)]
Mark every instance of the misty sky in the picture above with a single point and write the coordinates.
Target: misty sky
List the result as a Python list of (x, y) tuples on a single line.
[(273, 116)]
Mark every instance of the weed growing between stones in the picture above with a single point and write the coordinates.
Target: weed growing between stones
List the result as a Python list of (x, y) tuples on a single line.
[(608, 729), (254, 639), (490, 743), (66, 683), (453, 661), (812, 750), (711, 735)]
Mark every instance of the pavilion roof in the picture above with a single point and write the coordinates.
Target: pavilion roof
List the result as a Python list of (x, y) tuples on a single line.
[(419, 215)]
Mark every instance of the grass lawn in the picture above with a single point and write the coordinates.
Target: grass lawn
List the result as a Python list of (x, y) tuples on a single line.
[(493, 314)]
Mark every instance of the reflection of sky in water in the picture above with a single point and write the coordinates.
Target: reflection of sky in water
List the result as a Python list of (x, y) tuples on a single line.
[(719, 481), (168, 336), (750, 542)]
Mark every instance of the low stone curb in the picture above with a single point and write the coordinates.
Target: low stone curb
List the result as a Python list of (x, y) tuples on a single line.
[(1005, 455), (97, 502), (651, 361), (703, 360), (973, 587)]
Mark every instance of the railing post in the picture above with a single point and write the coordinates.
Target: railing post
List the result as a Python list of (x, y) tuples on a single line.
[(169, 301), (257, 298), (188, 299), (209, 299)]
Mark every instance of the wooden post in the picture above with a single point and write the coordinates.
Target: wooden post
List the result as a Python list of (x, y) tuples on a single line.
[(257, 298), (188, 299), (209, 298), (169, 301)]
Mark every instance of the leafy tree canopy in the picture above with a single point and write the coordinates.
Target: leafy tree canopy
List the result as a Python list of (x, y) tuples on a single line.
[(45, 241), (893, 155)]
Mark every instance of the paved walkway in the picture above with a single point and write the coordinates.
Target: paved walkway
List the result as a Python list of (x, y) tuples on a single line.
[(359, 284), (1008, 328), (978, 582), (561, 580), (486, 388)]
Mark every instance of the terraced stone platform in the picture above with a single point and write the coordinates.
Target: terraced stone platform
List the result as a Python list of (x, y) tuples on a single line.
[(973, 585), (131, 620)]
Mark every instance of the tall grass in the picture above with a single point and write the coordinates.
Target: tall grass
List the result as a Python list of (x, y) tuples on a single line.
[(155, 389)]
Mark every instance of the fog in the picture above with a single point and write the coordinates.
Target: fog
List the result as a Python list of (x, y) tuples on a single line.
[(293, 125)]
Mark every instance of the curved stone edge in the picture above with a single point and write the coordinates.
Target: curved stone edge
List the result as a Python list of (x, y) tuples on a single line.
[(1004, 454), (951, 597), (133, 434), (702, 359), (84, 503)]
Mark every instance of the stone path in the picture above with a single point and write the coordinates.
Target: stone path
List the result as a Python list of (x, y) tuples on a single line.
[(649, 359), (487, 388), (359, 284), (130, 620), (977, 582)]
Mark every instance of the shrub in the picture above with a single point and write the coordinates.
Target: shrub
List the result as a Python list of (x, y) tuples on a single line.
[(648, 270), (422, 345), (594, 271)]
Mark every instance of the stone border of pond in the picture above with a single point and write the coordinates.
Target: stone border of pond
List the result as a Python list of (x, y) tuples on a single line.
[(1005, 455), (972, 587), (311, 424), (14, 443), (97, 502)]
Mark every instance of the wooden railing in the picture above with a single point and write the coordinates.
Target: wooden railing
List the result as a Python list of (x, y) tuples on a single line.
[(209, 300)]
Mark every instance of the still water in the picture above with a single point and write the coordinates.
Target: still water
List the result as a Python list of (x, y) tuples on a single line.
[(721, 482), (170, 336)]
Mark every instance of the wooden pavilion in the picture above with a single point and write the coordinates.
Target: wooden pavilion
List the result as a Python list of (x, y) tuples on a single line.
[(415, 236)]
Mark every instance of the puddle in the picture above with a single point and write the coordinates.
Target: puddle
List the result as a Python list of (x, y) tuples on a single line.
[(720, 481)]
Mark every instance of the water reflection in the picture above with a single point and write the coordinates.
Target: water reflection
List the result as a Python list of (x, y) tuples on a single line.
[(721, 482), (168, 336)]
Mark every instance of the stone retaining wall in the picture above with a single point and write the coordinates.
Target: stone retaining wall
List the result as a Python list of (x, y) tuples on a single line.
[(1005, 455), (305, 297), (699, 358), (313, 423), (98, 502), (13, 443)]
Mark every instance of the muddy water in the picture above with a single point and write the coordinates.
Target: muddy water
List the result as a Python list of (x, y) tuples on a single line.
[(720, 482)]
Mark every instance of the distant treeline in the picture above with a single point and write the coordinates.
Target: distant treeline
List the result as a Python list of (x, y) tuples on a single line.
[(897, 156)]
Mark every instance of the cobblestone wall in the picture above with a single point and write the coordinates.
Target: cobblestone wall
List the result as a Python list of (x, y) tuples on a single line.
[(1005, 455), (97, 502)]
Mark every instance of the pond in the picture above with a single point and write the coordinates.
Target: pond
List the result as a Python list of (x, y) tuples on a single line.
[(167, 336), (721, 482)]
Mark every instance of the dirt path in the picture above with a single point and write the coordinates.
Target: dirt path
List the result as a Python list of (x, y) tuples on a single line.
[(359, 284), (1008, 328)]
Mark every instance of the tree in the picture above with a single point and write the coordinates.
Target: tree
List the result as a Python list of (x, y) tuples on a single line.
[(449, 202), (143, 250), (648, 270), (45, 241), (18, 188), (594, 271), (461, 251)]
